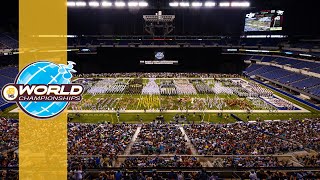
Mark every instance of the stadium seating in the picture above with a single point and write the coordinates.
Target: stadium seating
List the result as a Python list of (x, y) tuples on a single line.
[(256, 58), (276, 74), (267, 58), (299, 81), (292, 78), (315, 91), (262, 70), (306, 83), (299, 64), (309, 65), (285, 61), (294, 63), (10, 72), (7, 75)]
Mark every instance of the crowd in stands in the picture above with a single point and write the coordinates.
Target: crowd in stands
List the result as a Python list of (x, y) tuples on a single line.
[(97, 146), (161, 162), (199, 174), (236, 139), (9, 136), (253, 161), (98, 139), (310, 161), (160, 139), (304, 132), (9, 141), (9, 159)]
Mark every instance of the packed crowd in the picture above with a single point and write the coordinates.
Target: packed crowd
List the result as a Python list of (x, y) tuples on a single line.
[(160, 139), (91, 162), (95, 139), (236, 139), (101, 143), (305, 132), (257, 161), (310, 160), (9, 159), (196, 174), (9, 135), (175, 161)]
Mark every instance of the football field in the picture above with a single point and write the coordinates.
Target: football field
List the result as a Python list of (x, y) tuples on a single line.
[(211, 100)]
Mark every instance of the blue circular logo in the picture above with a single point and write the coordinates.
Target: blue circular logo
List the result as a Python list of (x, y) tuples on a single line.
[(159, 55), (44, 73)]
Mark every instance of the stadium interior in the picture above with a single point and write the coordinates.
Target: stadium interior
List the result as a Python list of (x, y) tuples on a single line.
[(183, 90)]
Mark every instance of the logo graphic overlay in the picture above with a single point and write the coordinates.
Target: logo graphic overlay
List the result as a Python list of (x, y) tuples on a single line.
[(43, 89), (159, 55)]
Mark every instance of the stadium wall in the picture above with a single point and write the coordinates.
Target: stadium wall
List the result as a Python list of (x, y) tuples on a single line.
[(128, 60)]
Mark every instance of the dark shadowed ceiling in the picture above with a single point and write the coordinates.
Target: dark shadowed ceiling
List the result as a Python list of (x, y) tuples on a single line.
[(300, 18)]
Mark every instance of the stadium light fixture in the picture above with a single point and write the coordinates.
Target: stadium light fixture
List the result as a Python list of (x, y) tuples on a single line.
[(184, 4), (71, 4), (209, 4), (196, 4), (143, 4), (240, 4), (106, 4), (174, 4), (81, 4), (224, 4), (94, 4), (120, 4), (133, 4)]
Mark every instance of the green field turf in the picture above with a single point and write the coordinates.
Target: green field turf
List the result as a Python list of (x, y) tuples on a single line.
[(140, 102), (148, 117)]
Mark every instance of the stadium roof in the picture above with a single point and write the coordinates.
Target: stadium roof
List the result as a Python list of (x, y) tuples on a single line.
[(300, 17)]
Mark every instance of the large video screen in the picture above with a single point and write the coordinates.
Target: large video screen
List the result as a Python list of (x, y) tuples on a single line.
[(267, 20)]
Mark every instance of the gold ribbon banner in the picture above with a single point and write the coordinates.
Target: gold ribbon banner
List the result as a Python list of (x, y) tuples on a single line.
[(42, 143)]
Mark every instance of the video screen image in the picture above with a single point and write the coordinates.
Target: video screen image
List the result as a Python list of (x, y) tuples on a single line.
[(270, 20)]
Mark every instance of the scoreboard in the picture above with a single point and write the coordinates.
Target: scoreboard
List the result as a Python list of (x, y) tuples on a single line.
[(266, 20)]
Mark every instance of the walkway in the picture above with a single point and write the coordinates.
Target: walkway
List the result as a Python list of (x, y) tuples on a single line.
[(189, 144), (133, 140)]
